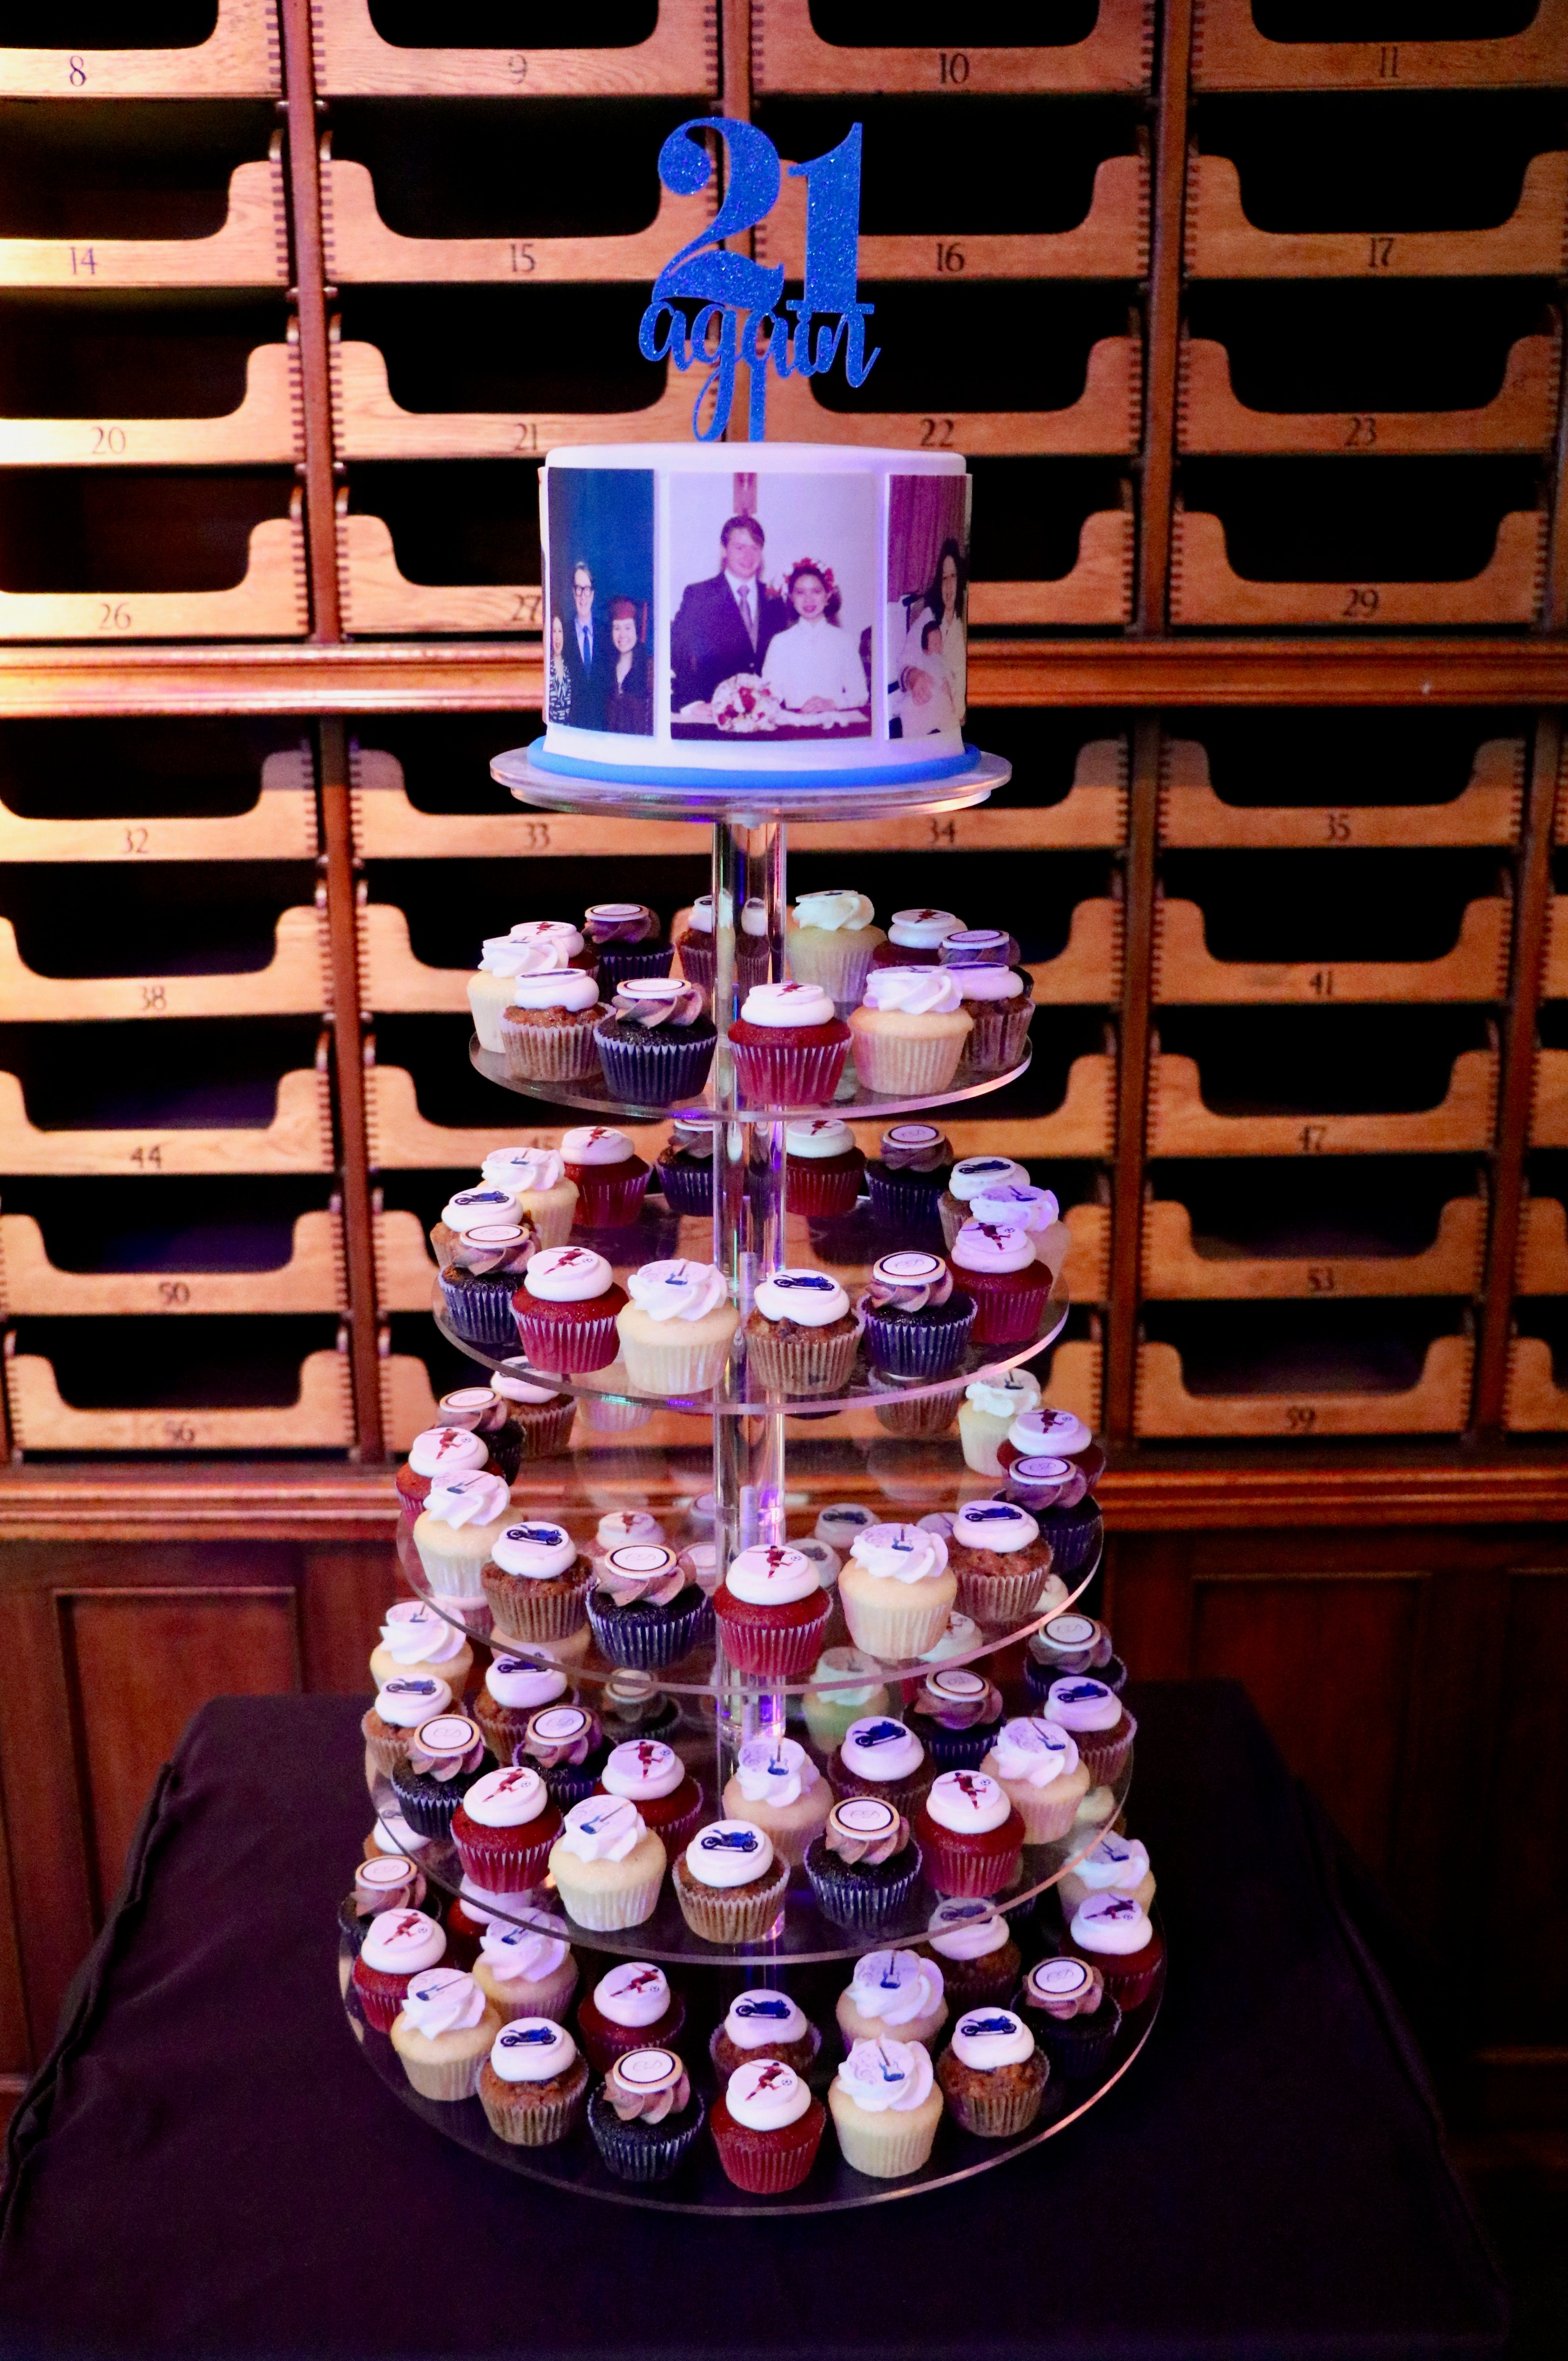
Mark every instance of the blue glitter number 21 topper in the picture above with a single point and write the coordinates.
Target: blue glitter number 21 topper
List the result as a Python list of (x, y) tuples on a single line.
[(740, 296)]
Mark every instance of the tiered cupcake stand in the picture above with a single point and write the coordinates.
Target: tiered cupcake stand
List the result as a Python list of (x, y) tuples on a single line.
[(703, 1708)]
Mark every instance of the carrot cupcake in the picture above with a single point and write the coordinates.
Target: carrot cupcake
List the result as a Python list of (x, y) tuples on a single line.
[(999, 1005), (999, 1561), (401, 1703), (729, 1882), (514, 1688), (801, 1335), (972, 1944), (548, 1028), (993, 2074), (1099, 1721), (761, 2023), (968, 1177), (535, 1580), (533, 2085)]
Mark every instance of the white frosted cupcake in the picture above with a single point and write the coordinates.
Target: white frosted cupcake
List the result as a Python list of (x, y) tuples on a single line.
[(1116, 1865), (525, 1967), (415, 1639), (502, 959), (1035, 1762), (537, 1178), (830, 941), (909, 1031), (675, 1332), (777, 1786), (896, 1993), (897, 1591), (442, 2033), (608, 1865), (456, 1531), (885, 2107), (991, 1402)]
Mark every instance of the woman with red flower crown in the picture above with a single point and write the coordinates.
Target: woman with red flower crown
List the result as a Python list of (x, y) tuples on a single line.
[(813, 667)]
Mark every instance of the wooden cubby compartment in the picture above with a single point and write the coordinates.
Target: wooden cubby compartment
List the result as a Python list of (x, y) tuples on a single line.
[(159, 554), (1549, 1110), (1399, 544), (1322, 1081), (207, 789), (1394, 777), (384, 47), (1381, 1226), (1443, 186), (1071, 204), (1538, 1369), (1054, 542), (431, 189), (203, 1096), (155, 193), (1543, 1266), (449, 549), (227, 48), (1283, 45), (1297, 926), (1554, 969), (1343, 369), (94, 1248), (1302, 1371), (1050, 46), (129, 1384)]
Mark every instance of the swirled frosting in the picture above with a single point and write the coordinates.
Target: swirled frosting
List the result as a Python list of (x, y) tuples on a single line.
[(443, 2000), (730, 1852), (1034, 1749), (771, 1574), (776, 1771), (774, 1004), (986, 2038), (524, 1684), (538, 1552), (1116, 1865), (1113, 1924), (810, 1298), (1015, 1207), (634, 1994), (969, 1803), (526, 1952), (811, 1136), (877, 1747), (896, 1987), (678, 1289), (637, 1572), (446, 1451), (700, 1565), (503, 955), (647, 2085), (900, 1553), (477, 1499), (526, 1170), (996, 1525), (963, 1929), (592, 1143), (642, 1767), (562, 1733), (603, 1828), (559, 932), (507, 1799), (766, 2095), (473, 1406), (909, 1282), (656, 1000), (915, 1148), (865, 1828), (913, 991), (762, 2019), (694, 1140), (1074, 1643), (1003, 1393), (974, 1173), (982, 1245), (533, 2049), (445, 1746), (621, 922), (401, 1942), (883, 2076), (922, 930), (1079, 1703), (1065, 1987), (494, 1249), (414, 1633), (834, 910), (566, 988), (959, 1699), (568, 1275)]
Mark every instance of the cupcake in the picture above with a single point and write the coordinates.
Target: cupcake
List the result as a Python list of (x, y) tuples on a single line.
[(626, 1529), (699, 1564), (908, 1175), (914, 938), (767, 2127), (998, 1267), (514, 1688), (566, 941), (845, 1689), (502, 959), (684, 1168), (675, 1332), (892, 1992), (973, 1945), (537, 1180), (885, 2107), (612, 1178), (543, 1415), (897, 1590), (918, 1323), (630, 2008), (788, 1046), (442, 2033), (643, 1610), (980, 946), (1116, 1865), (822, 1177), (534, 2085), (398, 1945), (770, 1612), (956, 1715), (535, 1580), (478, 1281), (446, 1757), (1099, 1723), (646, 2116), (608, 1865), (999, 1005), (525, 1966), (463, 1518), (401, 1703), (392, 1838), (656, 1042), (504, 1828), (567, 1746), (1074, 2017), (729, 1883), (841, 1523), (776, 1786), (549, 1028), (830, 942), (692, 939), (1072, 1644), (801, 1335), (1041, 1431), (957, 1642), (761, 2022), (1040, 1486), (437, 1453), (991, 1403), (1117, 1936), (907, 1409), (1034, 1762), (485, 1200), (634, 1706), (865, 1865), (972, 1834), (384, 1883), (966, 1181), (994, 2073), (999, 1562), (652, 1775), (483, 1413), (909, 1032), (1074, 1534), (881, 1757), (630, 939), (566, 1309)]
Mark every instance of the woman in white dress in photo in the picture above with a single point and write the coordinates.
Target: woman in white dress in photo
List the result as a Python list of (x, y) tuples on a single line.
[(943, 605), (813, 666)]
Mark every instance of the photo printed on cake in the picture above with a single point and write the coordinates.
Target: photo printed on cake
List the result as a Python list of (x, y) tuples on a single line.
[(774, 583), (599, 599), (928, 589)]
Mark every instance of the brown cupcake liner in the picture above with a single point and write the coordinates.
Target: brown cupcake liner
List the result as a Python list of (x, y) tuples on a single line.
[(1104, 1753), (999, 1598), (927, 1414), (1001, 1030), (732, 1913), (546, 1428), (994, 2114), (387, 1754), (535, 1610), (566, 1052), (809, 1363), (537, 2124)]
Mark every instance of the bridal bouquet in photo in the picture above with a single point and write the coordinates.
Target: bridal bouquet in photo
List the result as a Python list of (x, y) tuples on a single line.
[(744, 705)]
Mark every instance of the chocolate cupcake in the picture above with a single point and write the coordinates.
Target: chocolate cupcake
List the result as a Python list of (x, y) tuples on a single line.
[(1074, 2018), (646, 2116), (907, 1176), (657, 1042), (865, 1865), (630, 939), (644, 1611), (566, 1744), (956, 1715), (917, 1323), (446, 1756), (481, 1278), (684, 1168), (1069, 1645)]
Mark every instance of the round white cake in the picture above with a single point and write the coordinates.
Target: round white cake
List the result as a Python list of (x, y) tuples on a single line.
[(737, 608)]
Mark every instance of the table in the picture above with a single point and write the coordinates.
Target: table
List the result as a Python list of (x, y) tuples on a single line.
[(206, 2164)]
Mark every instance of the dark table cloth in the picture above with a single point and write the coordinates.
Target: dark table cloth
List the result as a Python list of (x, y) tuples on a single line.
[(206, 2163)]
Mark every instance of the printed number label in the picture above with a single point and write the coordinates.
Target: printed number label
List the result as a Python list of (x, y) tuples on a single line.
[(178, 1432), (522, 256), (108, 441), (1338, 827), (1321, 984), (952, 69), (83, 260), (1320, 1279), (1379, 253), (527, 435), (517, 67), (76, 73), (136, 840), (172, 1293), (1362, 434), (525, 608), (149, 1159), (950, 258), (936, 435), (1360, 606), (113, 615), (1389, 63), (1310, 1138), (1301, 1418), (154, 1000), (536, 836), (944, 831)]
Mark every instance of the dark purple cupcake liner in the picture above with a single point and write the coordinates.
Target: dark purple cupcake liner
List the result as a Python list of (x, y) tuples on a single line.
[(655, 1071), (860, 1903), (920, 1348), (1037, 1678), (565, 1783), (788, 1077), (619, 962), (1074, 2055), (639, 2151), (899, 1206), (688, 1188), (351, 1924), (481, 1311), (647, 1642), (955, 1750), (429, 1805), (1073, 1534)]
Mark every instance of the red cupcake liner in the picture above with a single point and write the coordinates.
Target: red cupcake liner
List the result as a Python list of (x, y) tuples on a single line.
[(674, 1831), (982, 1867), (413, 1491), (818, 1192), (565, 1345), (603, 2042), (380, 1994), (1128, 1980), (765, 2164), (606, 1204), (776, 1652), (1004, 1315), (801, 1076), (499, 1858)]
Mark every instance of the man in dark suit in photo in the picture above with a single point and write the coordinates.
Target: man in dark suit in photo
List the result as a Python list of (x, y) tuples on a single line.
[(590, 657), (724, 623)]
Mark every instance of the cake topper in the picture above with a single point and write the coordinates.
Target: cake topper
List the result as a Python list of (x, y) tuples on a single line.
[(738, 320)]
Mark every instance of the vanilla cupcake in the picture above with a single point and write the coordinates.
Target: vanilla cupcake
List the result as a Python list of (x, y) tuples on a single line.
[(894, 1993), (830, 942), (1034, 1762), (455, 1534), (415, 1639), (502, 959), (729, 1883), (991, 1402), (537, 1178), (442, 2033), (606, 1864), (885, 2107), (1116, 1865), (676, 1330), (525, 1967), (897, 1591), (909, 1032), (776, 1785)]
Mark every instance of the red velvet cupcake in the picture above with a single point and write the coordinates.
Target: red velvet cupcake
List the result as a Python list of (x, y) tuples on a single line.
[(566, 1309), (789, 1046), (772, 1611), (504, 1828), (1113, 1933), (767, 2127), (1048, 1434), (971, 1833), (439, 1451), (398, 1944), (652, 1776), (914, 938), (612, 1178), (822, 1178), (633, 2007), (998, 1267)]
